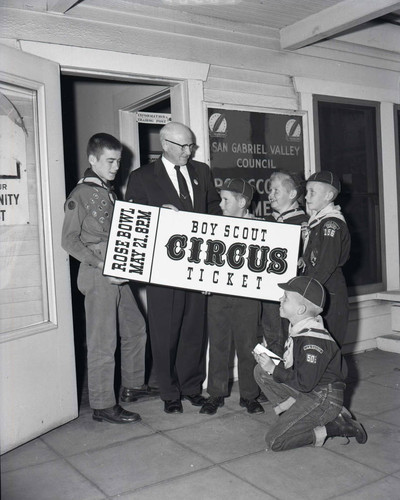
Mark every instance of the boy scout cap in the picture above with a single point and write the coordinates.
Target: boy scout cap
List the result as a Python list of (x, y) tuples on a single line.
[(238, 186), (326, 177), (309, 288)]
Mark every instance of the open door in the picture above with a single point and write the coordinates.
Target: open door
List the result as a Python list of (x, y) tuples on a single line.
[(129, 123), (37, 378)]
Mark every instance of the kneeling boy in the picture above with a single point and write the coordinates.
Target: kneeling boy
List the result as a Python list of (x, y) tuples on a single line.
[(306, 389)]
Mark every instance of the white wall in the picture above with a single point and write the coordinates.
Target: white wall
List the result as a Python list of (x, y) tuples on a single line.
[(246, 68), (97, 105)]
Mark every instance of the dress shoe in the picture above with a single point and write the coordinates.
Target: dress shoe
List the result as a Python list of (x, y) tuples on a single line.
[(252, 405), (212, 404), (173, 406), (195, 399), (116, 415), (262, 398), (345, 426), (131, 394)]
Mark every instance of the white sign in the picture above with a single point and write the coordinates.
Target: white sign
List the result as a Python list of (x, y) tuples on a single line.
[(227, 255), (14, 207), (158, 118)]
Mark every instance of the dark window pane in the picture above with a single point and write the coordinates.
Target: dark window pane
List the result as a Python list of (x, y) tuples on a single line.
[(348, 147)]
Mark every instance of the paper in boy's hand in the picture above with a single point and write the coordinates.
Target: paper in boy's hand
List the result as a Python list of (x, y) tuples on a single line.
[(259, 349)]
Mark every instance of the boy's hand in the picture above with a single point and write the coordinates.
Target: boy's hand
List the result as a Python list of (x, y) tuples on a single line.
[(117, 281), (301, 264), (265, 362), (111, 279), (171, 207)]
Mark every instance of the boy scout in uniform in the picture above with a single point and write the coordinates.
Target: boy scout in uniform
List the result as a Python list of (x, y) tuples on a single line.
[(108, 301), (232, 319), (306, 388), (284, 191), (327, 248)]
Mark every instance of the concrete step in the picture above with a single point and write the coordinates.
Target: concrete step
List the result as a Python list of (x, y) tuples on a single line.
[(389, 342)]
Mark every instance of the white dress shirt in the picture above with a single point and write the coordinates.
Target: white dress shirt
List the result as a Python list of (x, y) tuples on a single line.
[(170, 168)]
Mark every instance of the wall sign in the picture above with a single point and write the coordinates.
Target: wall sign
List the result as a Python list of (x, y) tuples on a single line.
[(227, 255), (157, 118), (14, 208), (251, 145)]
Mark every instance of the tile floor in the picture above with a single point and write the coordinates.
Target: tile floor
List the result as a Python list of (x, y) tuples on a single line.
[(217, 457)]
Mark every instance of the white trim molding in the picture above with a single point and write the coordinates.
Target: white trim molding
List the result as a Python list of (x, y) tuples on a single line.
[(340, 89), (94, 61)]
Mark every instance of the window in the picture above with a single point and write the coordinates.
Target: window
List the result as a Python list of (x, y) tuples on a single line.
[(23, 289), (397, 131), (347, 143)]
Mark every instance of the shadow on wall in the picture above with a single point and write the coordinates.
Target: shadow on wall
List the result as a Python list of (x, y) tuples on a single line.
[(121, 179)]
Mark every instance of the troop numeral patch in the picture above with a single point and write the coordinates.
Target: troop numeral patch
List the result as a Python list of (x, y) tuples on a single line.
[(312, 358), (330, 228)]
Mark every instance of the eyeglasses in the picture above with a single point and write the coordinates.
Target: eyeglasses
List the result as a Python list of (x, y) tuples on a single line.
[(183, 146)]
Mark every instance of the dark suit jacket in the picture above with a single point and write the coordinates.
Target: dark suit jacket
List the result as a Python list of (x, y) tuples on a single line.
[(151, 185)]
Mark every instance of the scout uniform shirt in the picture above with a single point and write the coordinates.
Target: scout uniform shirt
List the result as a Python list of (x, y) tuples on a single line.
[(312, 357), (326, 245), (87, 222)]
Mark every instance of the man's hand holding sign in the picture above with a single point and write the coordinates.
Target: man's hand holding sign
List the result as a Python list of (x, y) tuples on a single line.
[(228, 255)]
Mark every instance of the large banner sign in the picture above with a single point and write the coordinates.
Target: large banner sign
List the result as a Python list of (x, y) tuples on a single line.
[(227, 255), (252, 145)]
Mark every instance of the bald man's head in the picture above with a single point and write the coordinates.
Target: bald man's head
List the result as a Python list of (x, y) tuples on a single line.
[(177, 142)]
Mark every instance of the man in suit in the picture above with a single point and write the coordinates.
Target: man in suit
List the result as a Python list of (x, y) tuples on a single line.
[(176, 316)]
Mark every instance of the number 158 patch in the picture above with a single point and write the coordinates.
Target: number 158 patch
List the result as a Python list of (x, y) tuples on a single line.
[(330, 228)]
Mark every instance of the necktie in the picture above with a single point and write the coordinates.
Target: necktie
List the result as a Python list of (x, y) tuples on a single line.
[(183, 190)]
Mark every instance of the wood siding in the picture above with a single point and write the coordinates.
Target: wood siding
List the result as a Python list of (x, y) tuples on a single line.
[(247, 68)]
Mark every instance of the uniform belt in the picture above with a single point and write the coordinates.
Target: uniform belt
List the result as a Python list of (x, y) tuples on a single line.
[(99, 247), (333, 386)]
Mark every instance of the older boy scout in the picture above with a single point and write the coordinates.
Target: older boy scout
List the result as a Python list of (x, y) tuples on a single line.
[(109, 303)]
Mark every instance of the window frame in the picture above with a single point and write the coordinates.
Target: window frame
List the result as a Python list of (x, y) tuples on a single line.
[(45, 228), (396, 119), (316, 99)]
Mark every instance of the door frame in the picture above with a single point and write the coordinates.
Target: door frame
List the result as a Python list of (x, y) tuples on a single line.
[(185, 78), (128, 125)]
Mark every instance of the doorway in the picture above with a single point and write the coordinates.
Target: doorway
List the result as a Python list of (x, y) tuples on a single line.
[(89, 106)]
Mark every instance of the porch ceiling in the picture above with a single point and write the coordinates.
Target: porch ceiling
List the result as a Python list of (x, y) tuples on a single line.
[(297, 23)]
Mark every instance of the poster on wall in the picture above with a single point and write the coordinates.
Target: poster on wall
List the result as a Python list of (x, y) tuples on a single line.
[(14, 209), (208, 253), (251, 145)]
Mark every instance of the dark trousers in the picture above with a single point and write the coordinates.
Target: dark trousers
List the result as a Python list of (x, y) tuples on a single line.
[(111, 309), (232, 319), (178, 342), (301, 414), (336, 311), (275, 329)]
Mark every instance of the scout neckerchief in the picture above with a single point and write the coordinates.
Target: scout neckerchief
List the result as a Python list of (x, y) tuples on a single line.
[(281, 217), (330, 210), (90, 177), (308, 327)]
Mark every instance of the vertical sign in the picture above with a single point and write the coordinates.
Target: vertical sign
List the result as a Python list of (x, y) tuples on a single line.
[(251, 145)]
